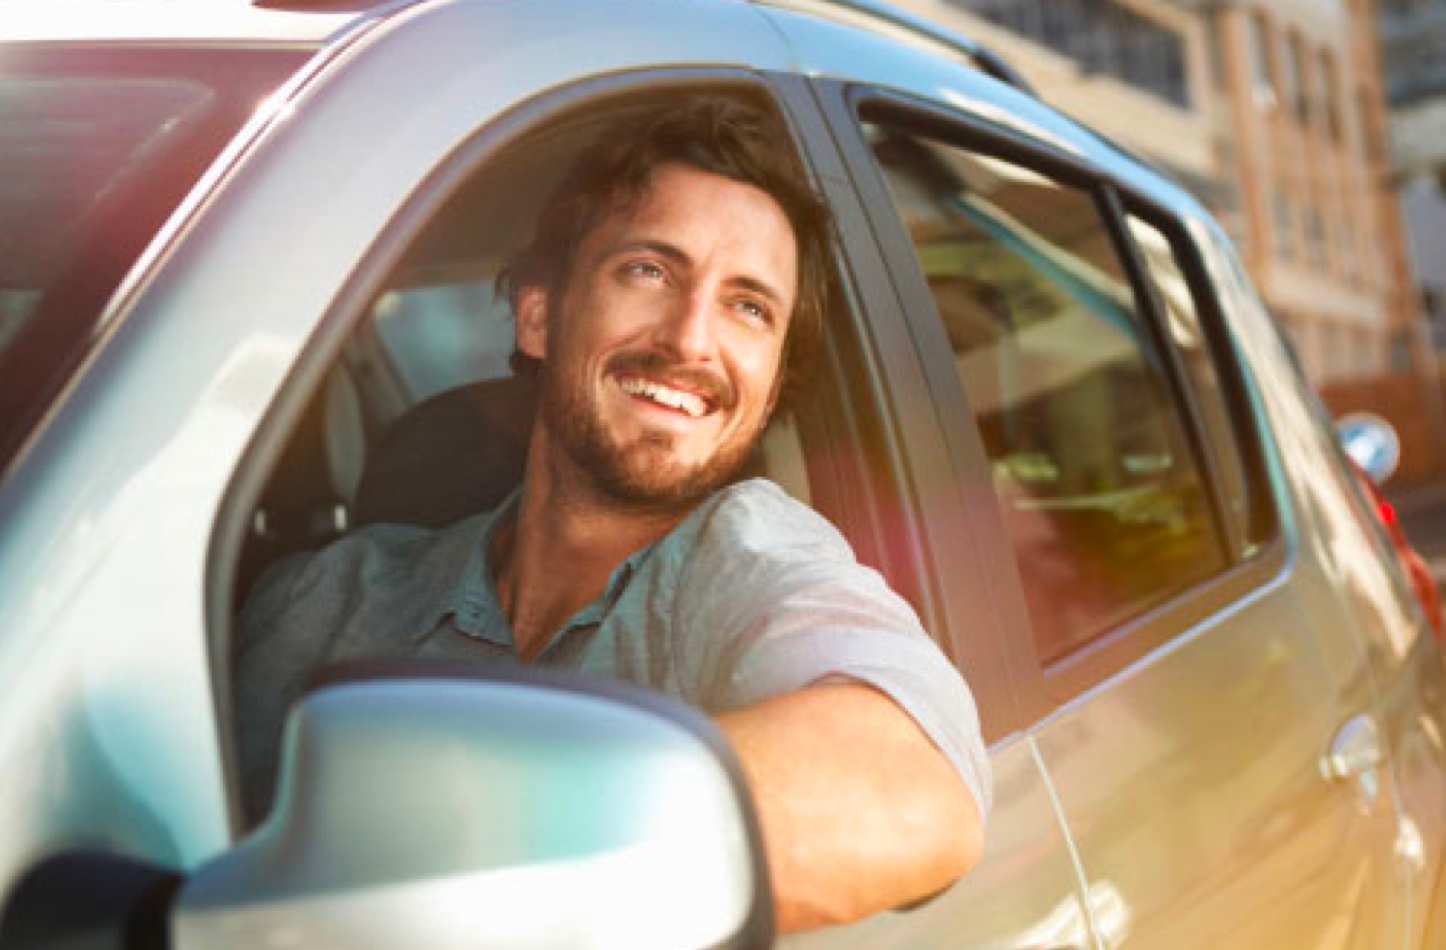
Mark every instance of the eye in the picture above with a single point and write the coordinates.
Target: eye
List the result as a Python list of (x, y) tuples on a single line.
[(754, 311), (644, 270)]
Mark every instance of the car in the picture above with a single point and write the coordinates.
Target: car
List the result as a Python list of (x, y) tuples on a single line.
[(1374, 450), (247, 260)]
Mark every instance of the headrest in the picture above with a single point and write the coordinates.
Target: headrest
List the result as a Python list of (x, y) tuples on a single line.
[(453, 455)]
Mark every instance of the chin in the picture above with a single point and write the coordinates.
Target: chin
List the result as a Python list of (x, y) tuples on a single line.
[(641, 478)]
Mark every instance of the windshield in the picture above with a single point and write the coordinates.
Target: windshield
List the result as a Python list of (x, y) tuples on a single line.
[(98, 145)]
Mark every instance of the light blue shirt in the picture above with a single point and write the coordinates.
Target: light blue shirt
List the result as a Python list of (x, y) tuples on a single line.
[(753, 595)]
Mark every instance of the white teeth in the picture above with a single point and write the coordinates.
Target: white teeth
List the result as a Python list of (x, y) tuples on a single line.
[(664, 395)]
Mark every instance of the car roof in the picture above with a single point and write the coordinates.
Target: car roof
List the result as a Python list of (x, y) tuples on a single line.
[(885, 17), (174, 21), (316, 23)]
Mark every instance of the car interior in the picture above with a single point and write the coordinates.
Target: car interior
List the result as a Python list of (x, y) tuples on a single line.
[(421, 419)]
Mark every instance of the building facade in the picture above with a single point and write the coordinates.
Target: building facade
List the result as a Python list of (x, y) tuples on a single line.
[(1323, 232), (1138, 70), (1321, 225), (1413, 40), (1274, 113)]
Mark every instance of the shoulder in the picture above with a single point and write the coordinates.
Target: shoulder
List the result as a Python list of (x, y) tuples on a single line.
[(752, 552), (756, 518), (375, 559), (377, 549)]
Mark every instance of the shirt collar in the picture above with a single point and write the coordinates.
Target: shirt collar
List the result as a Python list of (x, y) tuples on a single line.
[(472, 598)]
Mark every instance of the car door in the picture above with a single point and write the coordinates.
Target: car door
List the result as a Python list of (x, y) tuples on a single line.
[(123, 527), (870, 450), (863, 451), (1184, 698), (1351, 584)]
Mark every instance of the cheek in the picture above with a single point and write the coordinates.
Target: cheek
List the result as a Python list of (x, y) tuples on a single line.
[(608, 320), (763, 371)]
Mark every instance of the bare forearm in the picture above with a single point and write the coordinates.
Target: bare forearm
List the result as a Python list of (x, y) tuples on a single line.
[(860, 811)]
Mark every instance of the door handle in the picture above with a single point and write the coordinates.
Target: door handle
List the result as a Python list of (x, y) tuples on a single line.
[(1355, 750)]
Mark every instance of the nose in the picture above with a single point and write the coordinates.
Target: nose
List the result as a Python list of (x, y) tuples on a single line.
[(687, 331)]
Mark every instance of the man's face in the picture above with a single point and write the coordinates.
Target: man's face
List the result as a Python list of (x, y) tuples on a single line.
[(661, 354)]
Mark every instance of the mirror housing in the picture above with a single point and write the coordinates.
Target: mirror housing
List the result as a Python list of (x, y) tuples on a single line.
[(1371, 442), (432, 805)]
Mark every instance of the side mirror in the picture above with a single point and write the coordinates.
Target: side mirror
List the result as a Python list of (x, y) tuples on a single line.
[(1371, 442), (432, 806)]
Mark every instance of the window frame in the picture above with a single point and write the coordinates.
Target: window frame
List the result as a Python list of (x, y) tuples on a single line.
[(851, 361), (347, 312), (1263, 519), (912, 466), (1044, 688)]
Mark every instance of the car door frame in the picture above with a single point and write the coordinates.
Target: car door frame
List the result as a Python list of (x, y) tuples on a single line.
[(892, 531), (1045, 687)]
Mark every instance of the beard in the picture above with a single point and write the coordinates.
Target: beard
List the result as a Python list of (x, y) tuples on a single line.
[(643, 474)]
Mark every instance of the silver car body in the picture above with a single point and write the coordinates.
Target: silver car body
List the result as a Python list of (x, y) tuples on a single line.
[(1186, 799)]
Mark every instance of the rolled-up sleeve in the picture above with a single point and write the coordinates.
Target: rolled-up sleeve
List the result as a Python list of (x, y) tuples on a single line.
[(786, 605)]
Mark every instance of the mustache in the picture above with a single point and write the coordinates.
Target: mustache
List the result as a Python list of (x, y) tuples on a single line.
[(711, 386)]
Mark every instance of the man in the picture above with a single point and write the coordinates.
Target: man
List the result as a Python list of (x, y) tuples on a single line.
[(673, 290)]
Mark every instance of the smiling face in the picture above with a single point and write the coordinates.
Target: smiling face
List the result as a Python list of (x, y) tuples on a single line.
[(661, 354)]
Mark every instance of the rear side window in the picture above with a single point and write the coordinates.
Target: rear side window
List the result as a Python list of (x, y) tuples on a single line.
[(1104, 496), (1245, 509)]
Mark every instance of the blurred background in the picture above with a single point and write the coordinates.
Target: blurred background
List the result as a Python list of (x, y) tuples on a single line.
[(1315, 130)]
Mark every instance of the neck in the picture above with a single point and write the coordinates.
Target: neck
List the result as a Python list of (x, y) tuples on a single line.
[(557, 553)]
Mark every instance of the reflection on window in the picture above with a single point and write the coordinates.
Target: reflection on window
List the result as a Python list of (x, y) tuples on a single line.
[(1187, 336), (67, 143), (99, 143), (1102, 496)]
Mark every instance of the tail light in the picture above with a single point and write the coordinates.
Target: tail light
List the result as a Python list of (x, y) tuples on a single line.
[(1423, 581)]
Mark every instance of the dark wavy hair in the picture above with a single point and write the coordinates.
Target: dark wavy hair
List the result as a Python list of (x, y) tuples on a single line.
[(711, 133)]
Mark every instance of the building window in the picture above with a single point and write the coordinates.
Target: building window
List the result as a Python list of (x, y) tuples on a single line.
[(1293, 78), (1282, 223), (1372, 130), (1102, 37), (1315, 237), (1310, 92), (1345, 249), (1329, 93), (1401, 361), (1289, 73), (1262, 62)]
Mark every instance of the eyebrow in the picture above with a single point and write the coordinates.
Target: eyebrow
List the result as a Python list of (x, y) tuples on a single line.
[(676, 254)]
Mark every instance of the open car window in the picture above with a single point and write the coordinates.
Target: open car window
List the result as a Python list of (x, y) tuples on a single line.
[(422, 419)]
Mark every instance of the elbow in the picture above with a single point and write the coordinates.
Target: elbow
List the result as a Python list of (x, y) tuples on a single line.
[(933, 840), (949, 831), (969, 838)]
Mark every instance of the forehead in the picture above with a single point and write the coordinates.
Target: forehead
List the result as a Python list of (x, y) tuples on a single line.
[(708, 217)]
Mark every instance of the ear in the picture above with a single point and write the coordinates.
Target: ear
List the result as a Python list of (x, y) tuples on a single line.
[(532, 322)]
